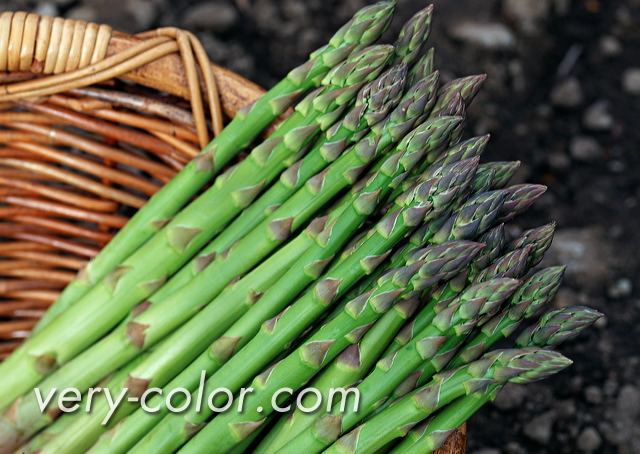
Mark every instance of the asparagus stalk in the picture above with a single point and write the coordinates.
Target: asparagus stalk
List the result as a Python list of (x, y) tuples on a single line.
[(455, 97), (423, 372), (426, 268), (140, 333), (347, 368), (415, 206), (457, 319), (355, 361), (164, 316), (465, 150), (478, 212), (146, 270), (455, 106), (338, 176), (482, 181), (385, 133), (557, 326), (492, 176), (484, 376), (225, 310), (366, 26), (371, 106), (511, 265)]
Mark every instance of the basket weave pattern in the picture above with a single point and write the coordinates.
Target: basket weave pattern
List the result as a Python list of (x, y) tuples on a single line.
[(80, 149)]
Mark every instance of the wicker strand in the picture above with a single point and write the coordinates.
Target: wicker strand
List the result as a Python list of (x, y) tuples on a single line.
[(74, 54)]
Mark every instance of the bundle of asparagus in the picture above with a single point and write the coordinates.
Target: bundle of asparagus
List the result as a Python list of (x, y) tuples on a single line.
[(360, 247)]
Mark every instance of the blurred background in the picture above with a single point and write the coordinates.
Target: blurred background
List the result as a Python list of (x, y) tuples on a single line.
[(562, 96)]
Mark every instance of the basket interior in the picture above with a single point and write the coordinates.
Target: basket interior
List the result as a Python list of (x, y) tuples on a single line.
[(73, 168), (84, 144)]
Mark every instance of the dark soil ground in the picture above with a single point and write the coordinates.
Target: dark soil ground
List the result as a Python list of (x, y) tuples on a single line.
[(562, 96)]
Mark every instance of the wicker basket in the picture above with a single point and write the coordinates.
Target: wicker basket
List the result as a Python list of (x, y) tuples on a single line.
[(93, 123)]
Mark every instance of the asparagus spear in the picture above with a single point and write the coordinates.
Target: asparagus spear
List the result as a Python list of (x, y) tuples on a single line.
[(413, 35), (504, 171), (185, 234), (479, 211), (492, 176), (420, 203), (347, 368), (466, 87), (456, 106), (484, 376), (494, 240), (425, 269), (338, 176), (540, 238), (164, 316), (510, 265), (366, 26), (424, 371), (134, 335), (519, 198), (465, 150), (68, 420), (482, 181), (557, 326), (514, 265)]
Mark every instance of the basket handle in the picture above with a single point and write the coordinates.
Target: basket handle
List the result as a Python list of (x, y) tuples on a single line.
[(72, 54)]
